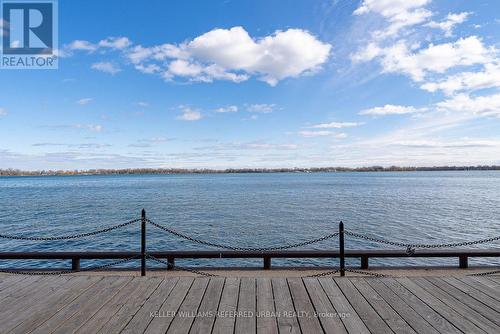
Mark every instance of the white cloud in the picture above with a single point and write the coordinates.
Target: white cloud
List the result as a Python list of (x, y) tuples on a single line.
[(399, 58), (262, 108), (227, 109), (79, 45), (115, 43), (321, 133), (390, 109), (488, 105), (143, 104), (467, 81), (189, 114), (84, 101), (336, 125), (398, 13), (232, 54), (90, 127), (3, 112), (106, 67), (449, 23)]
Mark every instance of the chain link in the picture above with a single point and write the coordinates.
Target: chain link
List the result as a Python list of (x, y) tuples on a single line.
[(62, 272), (365, 272), (67, 237), (411, 247), (236, 248), (486, 273), (327, 273), (176, 267)]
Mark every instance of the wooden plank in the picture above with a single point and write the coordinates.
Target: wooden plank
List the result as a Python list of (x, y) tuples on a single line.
[(78, 319), (143, 317), (246, 321), (21, 309), (189, 308), (24, 297), (446, 311), (88, 310), (466, 299), (419, 324), (351, 320), (391, 317), (326, 312), (266, 315), (47, 308), (364, 310), (434, 318), (475, 293), (304, 307), (105, 286), (20, 287), (208, 308), (166, 313), (128, 309), (486, 285), (8, 280), (463, 309), (287, 319), (102, 316), (224, 322)]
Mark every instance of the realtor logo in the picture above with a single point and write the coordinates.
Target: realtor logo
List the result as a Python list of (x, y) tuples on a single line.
[(29, 34)]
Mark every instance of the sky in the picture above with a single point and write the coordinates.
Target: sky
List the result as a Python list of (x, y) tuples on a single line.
[(236, 84)]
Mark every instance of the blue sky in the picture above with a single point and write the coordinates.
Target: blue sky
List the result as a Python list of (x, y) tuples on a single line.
[(223, 84)]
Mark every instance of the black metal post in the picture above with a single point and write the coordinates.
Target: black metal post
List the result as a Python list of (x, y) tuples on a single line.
[(341, 249), (143, 242)]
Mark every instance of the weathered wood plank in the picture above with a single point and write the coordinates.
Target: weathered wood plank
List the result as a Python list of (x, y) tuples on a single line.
[(48, 307), (266, 315), (287, 320), (434, 318), (224, 322), (365, 311), (127, 311), (102, 316), (327, 314), (187, 312), (475, 293), (437, 305), (484, 285), (168, 309), (304, 307), (418, 323), (351, 320), (463, 309), (246, 321), (208, 308), (105, 286), (386, 312), (466, 299), (143, 317)]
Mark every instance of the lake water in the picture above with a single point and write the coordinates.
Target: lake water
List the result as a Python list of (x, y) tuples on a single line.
[(252, 210)]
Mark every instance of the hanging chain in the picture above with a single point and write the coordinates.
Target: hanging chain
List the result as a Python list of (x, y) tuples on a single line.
[(67, 237), (62, 272), (410, 247), (176, 267), (486, 273), (369, 273), (237, 248)]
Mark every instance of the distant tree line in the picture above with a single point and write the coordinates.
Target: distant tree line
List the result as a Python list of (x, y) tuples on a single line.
[(18, 172)]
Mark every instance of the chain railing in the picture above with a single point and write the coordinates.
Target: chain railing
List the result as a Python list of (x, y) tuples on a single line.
[(62, 272), (410, 247), (68, 237), (238, 248)]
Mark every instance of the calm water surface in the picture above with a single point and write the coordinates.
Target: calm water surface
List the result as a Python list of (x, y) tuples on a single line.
[(252, 210)]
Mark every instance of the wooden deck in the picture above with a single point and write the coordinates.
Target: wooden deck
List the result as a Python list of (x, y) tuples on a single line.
[(125, 304)]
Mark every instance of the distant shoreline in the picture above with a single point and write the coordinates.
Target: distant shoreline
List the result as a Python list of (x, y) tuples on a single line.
[(166, 171)]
